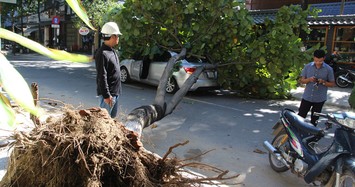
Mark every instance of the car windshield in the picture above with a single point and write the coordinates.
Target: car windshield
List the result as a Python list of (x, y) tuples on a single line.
[(193, 59)]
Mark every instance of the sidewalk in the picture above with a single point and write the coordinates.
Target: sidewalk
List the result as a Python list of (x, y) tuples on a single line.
[(336, 96)]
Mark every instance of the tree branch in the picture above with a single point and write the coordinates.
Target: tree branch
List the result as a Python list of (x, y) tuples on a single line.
[(175, 100), (160, 96)]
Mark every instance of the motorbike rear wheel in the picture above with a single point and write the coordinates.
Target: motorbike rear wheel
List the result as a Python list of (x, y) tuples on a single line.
[(276, 164), (341, 83)]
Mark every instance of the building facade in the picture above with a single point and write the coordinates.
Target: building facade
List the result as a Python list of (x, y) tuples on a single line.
[(54, 28), (334, 27)]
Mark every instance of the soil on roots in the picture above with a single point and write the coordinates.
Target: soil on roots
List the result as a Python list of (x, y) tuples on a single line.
[(86, 148)]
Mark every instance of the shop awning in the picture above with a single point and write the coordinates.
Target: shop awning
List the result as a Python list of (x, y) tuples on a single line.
[(330, 14), (28, 31), (333, 20), (260, 16), (334, 9)]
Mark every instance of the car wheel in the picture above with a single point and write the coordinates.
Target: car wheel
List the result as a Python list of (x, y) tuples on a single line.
[(171, 86), (124, 75)]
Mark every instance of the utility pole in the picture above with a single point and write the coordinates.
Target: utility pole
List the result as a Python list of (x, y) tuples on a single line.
[(304, 4), (342, 7)]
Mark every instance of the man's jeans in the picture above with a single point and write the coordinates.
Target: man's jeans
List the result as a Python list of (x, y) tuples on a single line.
[(112, 110)]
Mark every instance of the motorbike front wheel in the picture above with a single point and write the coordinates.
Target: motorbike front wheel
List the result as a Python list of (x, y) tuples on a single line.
[(347, 179), (276, 164)]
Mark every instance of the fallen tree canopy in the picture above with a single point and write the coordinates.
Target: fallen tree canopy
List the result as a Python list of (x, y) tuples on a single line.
[(88, 148)]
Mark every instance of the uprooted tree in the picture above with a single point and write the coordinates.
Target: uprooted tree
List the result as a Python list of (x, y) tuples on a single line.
[(88, 148)]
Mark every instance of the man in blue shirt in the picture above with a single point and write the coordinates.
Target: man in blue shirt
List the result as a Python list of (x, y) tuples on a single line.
[(317, 76)]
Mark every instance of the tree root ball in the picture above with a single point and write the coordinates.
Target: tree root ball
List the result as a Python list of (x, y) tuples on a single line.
[(85, 148)]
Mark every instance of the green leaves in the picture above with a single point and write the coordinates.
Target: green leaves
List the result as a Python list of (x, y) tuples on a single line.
[(80, 11), (19, 92), (262, 60), (262, 55), (136, 32), (7, 115)]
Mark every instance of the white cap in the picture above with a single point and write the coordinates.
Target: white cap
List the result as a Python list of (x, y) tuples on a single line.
[(110, 28)]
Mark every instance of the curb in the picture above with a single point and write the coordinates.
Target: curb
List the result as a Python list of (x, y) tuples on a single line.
[(337, 97)]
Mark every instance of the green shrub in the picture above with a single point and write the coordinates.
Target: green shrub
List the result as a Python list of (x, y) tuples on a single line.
[(351, 99)]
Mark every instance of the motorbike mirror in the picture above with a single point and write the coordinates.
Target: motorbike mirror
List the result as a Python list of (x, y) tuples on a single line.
[(331, 115)]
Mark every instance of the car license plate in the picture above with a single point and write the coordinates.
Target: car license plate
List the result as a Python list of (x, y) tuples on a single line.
[(210, 74)]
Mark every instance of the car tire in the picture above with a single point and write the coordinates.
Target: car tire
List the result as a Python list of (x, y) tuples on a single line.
[(124, 75), (171, 86)]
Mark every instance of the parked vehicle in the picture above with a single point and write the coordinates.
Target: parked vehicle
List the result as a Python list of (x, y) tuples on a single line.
[(150, 71), (295, 147), (344, 77)]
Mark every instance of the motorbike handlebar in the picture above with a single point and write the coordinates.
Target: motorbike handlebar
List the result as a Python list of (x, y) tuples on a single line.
[(330, 117), (321, 114)]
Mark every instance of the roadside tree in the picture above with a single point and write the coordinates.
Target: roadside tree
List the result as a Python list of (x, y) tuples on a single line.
[(261, 61)]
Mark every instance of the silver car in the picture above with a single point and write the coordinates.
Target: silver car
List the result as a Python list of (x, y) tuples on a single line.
[(150, 71)]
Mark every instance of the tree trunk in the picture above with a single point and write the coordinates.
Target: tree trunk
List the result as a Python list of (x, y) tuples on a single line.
[(21, 18), (40, 37), (35, 95), (160, 96)]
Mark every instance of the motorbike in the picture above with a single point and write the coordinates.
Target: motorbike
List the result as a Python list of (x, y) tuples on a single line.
[(344, 77), (294, 148)]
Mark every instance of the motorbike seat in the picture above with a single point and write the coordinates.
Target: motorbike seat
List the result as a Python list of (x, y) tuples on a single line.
[(300, 123)]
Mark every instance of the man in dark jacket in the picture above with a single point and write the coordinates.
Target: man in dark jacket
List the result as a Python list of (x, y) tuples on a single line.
[(108, 69)]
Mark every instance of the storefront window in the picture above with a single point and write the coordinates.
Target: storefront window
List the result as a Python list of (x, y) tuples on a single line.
[(344, 43), (316, 36)]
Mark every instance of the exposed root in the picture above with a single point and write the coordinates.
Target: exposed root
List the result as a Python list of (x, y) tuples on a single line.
[(88, 148)]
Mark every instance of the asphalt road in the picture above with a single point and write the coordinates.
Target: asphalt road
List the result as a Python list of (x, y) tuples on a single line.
[(232, 129)]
